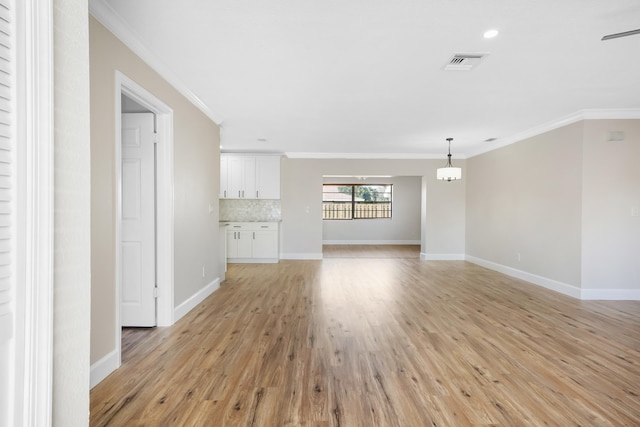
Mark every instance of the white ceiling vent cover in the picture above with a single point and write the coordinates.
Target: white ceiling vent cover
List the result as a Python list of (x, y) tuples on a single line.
[(464, 61)]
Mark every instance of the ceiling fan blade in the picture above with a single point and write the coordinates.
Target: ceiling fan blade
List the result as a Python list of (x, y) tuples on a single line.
[(623, 34)]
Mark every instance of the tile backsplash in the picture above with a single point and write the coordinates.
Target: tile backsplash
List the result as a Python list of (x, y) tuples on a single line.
[(250, 210)]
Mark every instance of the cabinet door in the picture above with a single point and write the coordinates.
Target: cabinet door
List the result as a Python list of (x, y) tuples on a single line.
[(265, 244), (249, 177), (239, 243), (235, 177), (241, 177), (224, 160), (268, 177), (232, 244), (244, 244)]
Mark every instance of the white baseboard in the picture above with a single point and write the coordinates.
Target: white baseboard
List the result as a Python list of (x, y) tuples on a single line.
[(103, 367), (371, 242), (610, 294), (301, 255), (195, 299), (252, 260), (442, 257), (554, 285)]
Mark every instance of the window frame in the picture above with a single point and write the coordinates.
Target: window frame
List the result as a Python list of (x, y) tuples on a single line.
[(353, 202)]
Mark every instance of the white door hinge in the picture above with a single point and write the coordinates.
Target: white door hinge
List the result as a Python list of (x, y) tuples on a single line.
[(155, 137), (155, 292)]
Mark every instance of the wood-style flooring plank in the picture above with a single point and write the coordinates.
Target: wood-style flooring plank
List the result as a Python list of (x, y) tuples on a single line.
[(366, 341)]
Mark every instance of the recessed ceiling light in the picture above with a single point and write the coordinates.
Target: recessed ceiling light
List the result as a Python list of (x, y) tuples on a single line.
[(489, 34), (262, 139)]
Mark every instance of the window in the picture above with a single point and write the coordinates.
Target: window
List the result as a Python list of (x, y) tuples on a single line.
[(356, 201)]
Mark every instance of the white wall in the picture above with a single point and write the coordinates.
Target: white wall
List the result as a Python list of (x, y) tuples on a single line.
[(72, 248), (302, 224), (402, 228), (611, 190)]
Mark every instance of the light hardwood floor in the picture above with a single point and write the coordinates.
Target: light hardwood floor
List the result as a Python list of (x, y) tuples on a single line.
[(371, 251), (380, 342)]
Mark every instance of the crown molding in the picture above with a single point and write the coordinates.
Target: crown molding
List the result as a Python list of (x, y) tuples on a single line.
[(364, 156), (587, 114), (117, 25)]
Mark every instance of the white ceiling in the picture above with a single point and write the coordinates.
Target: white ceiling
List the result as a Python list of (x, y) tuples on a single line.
[(365, 77)]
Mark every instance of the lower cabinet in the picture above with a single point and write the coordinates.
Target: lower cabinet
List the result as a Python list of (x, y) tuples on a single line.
[(252, 242)]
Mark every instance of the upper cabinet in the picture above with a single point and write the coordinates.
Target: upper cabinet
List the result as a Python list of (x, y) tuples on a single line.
[(249, 176), (268, 177)]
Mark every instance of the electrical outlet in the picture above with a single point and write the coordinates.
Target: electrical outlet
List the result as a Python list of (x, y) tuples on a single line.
[(203, 271), (635, 211), (518, 256)]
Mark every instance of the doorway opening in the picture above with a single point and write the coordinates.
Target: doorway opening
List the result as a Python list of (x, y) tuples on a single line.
[(162, 259), (372, 216)]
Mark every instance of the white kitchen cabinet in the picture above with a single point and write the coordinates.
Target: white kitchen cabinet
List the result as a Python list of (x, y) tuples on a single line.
[(249, 242), (268, 177), (265, 241), (249, 176), (241, 177), (239, 243), (224, 177)]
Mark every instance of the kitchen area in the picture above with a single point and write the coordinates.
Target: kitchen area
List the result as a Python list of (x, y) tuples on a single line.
[(250, 208)]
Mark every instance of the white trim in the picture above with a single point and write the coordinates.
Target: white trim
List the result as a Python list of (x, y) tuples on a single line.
[(441, 257), (365, 156), (610, 294), (371, 242), (252, 260), (164, 200), (591, 114), (164, 166), (104, 13), (554, 285), (301, 255), (103, 367), (586, 114), (34, 18), (195, 299), (611, 114)]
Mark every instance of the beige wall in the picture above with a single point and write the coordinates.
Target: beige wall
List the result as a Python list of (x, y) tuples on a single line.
[(72, 274), (565, 202), (196, 183), (302, 202), (403, 226), (611, 190), (525, 199)]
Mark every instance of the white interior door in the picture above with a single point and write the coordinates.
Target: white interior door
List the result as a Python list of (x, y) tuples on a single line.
[(137, 245)]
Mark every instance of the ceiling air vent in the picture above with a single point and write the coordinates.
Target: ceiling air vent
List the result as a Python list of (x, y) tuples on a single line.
[(464, 61)]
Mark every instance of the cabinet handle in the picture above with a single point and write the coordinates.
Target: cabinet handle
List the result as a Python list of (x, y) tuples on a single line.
[(254, 235), (257, 194), (239, 194), (225, 194), (243, 194)]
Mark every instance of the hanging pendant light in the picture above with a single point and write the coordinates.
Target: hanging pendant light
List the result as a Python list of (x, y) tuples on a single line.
[(449, 173)]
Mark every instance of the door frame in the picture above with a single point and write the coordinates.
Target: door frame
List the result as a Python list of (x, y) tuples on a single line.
[(164, 200)]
